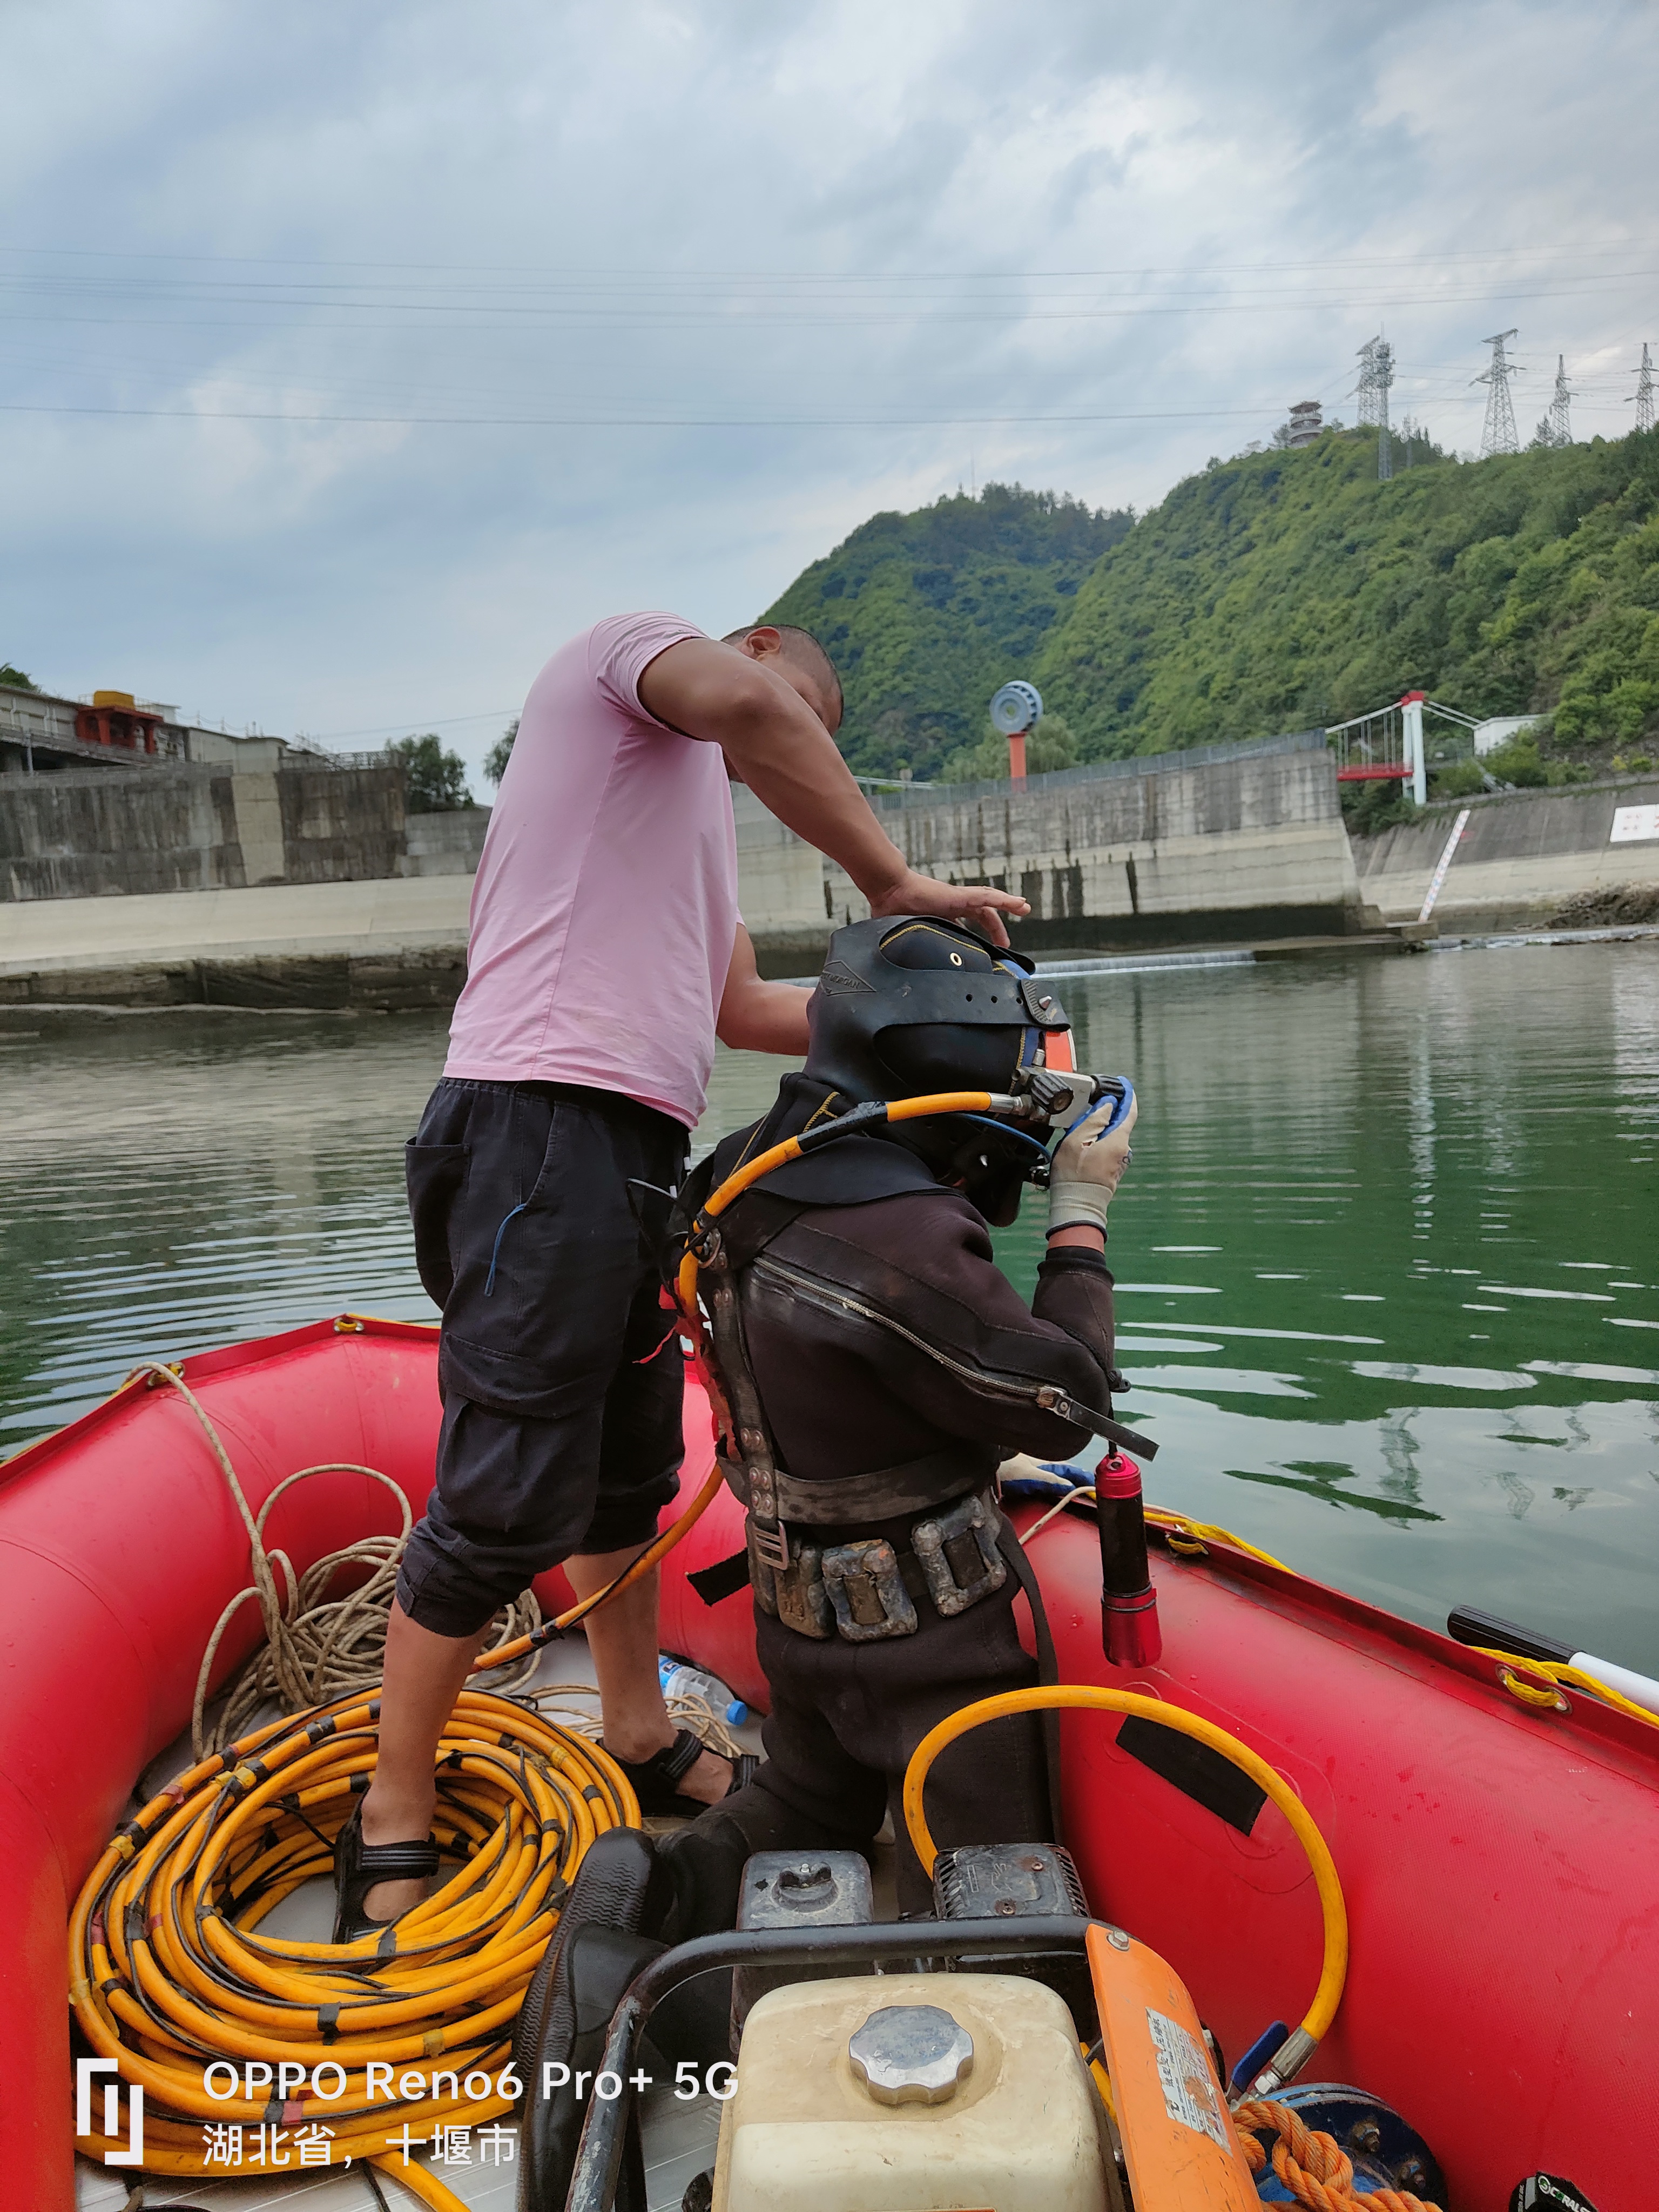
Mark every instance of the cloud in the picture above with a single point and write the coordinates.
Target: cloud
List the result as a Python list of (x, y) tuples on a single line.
[(651, 304)]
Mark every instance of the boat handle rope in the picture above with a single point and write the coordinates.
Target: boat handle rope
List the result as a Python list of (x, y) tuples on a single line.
[(1299, 2045)]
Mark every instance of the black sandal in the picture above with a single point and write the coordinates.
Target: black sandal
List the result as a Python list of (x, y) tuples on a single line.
[(656, 1780), (359, 1866)]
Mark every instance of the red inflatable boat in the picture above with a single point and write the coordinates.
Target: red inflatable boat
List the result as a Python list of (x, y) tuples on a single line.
[(1499, 1856)]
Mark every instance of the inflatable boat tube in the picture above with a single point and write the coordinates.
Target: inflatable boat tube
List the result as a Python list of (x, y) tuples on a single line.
[(1498, 1858)]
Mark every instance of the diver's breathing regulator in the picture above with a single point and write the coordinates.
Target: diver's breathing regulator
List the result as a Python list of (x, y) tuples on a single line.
[(916, 1006)]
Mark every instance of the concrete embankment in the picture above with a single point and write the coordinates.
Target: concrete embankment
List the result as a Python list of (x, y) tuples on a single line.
[(1228, 843), (1524, 856), (97, 833), (398, 942), (1232, 843)]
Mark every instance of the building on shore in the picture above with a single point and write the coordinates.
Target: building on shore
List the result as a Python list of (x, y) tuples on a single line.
[(43, 734)]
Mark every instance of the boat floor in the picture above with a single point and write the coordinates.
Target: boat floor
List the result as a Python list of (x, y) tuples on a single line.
[(678, 2135)]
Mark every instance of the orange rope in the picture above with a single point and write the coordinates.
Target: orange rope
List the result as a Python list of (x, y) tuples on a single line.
[(1311, 2165)]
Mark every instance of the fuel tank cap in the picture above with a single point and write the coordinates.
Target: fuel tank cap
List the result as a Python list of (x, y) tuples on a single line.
[(911, 2054)]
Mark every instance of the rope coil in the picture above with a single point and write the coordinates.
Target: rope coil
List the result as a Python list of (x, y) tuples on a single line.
[(1311, 2165), (317, 1648)]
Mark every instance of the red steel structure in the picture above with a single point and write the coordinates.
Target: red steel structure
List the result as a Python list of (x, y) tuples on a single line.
[(114, 719)]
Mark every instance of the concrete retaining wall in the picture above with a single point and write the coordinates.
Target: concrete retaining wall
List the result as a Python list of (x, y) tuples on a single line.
[(444, 844), (1524, 854), (91, 835), (1227, 842)]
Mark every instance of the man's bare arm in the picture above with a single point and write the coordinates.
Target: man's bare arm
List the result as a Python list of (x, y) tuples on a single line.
[(783, 752), (755, 1015)]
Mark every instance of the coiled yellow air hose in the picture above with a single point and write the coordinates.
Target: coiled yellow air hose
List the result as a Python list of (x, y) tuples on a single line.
[(1071, 1697), (171, 1976)]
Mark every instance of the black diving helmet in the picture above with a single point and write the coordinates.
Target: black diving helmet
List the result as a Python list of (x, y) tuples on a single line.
[(914, 1005)]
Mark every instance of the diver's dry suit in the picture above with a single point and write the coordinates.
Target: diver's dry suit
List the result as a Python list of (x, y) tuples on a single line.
[(893, 1367)]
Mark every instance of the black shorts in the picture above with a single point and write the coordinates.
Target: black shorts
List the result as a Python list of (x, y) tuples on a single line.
[(559, 1371)]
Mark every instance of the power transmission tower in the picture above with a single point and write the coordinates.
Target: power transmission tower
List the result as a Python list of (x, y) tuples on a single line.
[(1376, 375), (1560, 426), (1498, 434), (1645, 393)]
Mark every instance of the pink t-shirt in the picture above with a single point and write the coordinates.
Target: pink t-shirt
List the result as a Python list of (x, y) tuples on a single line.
[(606, 906)]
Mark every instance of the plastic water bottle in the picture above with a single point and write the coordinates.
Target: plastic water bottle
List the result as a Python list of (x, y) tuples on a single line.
[(681, 1679)]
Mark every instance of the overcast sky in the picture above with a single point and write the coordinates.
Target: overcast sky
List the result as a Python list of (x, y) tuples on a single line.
[(576, 308)]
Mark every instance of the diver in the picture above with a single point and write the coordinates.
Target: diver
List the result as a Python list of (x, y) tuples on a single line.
[(877, 1367)]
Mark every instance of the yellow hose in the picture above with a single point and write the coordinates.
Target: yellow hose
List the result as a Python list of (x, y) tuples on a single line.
[(170, 1975), (899, 1109), (1070, 1697)]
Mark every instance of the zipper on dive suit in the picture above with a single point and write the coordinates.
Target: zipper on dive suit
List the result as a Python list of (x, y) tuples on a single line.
[(829, 1298)]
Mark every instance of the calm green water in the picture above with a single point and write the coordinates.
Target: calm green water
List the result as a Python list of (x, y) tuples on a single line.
[(1388, 1255)]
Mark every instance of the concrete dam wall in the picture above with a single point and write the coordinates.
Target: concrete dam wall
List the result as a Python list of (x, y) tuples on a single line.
[(1523, 857), (302, 887), (99, 833), (1225, 842)]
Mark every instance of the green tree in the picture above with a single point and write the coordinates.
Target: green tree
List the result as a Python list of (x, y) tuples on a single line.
[(1287, 590), (16, 679), (495, 760), (1282, 589), (437, 778), (1050, 747), (925, 615)]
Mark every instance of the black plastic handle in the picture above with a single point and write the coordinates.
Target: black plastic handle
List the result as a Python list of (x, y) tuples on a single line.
[(1489, 1631)]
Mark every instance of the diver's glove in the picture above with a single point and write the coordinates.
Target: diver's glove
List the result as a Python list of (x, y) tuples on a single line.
[(1087, 1169)]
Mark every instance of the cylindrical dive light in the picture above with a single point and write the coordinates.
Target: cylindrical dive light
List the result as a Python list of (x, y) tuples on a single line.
[(1130, 1633)]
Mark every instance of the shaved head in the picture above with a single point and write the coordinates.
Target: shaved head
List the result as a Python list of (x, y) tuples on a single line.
[(802, 648)]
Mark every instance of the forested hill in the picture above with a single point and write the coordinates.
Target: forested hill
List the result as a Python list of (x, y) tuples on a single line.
[(1275, 592), (926, 614)]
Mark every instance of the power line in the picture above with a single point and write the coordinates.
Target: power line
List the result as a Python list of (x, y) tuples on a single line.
[(623, 274), (634, 422), (1497, 433)]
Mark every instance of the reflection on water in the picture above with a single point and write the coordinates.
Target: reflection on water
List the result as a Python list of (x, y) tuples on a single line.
[(1389, 1252)]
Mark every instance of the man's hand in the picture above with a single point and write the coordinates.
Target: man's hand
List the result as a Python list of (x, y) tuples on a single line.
[(978, 904)]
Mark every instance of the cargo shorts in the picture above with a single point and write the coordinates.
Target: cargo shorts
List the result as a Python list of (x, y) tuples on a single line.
[(559, 1372)]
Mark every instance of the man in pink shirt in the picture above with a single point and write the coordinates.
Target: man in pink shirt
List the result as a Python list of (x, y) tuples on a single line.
[(606, 955)]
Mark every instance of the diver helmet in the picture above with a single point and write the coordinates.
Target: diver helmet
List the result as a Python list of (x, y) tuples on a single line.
[(912, 1004)]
